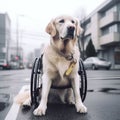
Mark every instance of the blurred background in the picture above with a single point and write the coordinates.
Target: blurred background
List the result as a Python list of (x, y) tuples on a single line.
[(22, 29)]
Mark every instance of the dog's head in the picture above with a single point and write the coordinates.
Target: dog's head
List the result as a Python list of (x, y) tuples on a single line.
[(64, 31)]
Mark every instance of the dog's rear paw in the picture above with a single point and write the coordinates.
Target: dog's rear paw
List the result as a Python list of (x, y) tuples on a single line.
[(27, 103), (81, 108), (26, 106), (39, 111), (71, 101)]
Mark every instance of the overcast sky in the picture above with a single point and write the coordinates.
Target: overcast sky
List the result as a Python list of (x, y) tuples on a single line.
[(34, 15)]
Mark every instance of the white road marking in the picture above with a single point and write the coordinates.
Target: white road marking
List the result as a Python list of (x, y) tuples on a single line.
[(13, 112), (27, 79), (103, 78)]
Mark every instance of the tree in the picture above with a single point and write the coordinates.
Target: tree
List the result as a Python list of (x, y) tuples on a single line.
[(81, 15), (90, 49)]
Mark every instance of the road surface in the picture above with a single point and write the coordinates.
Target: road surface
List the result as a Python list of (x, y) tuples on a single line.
[(102, 101)]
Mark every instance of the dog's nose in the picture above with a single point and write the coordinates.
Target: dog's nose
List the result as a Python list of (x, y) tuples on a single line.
[(71, 29)]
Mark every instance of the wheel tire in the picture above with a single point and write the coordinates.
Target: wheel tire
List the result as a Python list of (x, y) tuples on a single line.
[(94, 67), (83, 76), (32, 82), (108, 68)]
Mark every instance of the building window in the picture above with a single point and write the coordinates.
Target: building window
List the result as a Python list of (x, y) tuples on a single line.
[(2, 55), (113, 28), (111, 10), (105, 31), (119, 28), (118, 7), (110, 29), (102, 15)]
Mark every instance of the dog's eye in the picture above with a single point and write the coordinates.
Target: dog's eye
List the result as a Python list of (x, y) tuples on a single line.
[(62, 21), (72, 21)]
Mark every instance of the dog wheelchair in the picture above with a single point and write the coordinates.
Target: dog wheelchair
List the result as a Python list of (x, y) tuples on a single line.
[(36, 81)]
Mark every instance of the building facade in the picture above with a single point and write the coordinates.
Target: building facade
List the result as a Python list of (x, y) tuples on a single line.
[(102, 26), (5, 36)]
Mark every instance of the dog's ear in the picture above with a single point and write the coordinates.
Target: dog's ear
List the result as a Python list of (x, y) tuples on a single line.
[(50, 29), (79, 29)]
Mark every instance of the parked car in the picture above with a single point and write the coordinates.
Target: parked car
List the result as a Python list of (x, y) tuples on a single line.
[(14, 65), (4, 64), (21, 66), (97, 63), (29, 65)]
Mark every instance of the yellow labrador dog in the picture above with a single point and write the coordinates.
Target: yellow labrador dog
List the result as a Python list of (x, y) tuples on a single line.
[(61, 63)]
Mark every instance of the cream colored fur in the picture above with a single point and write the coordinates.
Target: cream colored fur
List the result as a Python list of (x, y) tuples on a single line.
[(55, 64)]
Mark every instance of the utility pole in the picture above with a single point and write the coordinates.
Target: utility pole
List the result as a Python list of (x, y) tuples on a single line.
[(17, 34), (17, 37), (18, 57)]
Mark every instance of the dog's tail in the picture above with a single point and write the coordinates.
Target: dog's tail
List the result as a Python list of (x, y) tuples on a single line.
[(22, 97)]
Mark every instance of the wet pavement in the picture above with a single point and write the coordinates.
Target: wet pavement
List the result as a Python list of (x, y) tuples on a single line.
[(102, 101), (101, 106), (11, 82)]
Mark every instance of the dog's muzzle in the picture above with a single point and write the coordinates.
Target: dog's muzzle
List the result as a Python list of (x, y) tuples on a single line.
[(70, 32)]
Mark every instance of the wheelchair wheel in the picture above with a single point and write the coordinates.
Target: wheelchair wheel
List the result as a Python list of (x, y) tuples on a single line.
[(36, 81), (83, 76)]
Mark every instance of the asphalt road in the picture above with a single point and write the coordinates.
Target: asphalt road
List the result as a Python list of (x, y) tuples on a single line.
[(102, 101)]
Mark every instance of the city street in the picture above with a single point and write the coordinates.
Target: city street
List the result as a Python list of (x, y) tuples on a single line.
[(58, 37), (102, 100)]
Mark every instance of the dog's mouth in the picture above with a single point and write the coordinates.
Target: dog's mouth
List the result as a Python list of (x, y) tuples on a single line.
[(68, 54), (69, 57), (69, 36)]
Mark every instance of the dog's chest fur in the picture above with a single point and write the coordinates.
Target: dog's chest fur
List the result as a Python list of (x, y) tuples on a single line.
[(56, 67), (60, 78)]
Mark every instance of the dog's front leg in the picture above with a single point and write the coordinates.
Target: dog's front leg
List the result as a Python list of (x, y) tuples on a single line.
[(46, 84), (76, 89)]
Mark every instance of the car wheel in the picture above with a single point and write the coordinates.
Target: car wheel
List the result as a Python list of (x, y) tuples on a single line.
[(108, 68), (94, 67), (1, 68)]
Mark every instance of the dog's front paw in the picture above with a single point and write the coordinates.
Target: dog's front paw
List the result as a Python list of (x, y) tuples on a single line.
[(81, 108), (40, 110)]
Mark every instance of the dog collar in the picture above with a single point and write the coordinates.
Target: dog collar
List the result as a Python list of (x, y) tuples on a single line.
[(69, 57), (71, 66)]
